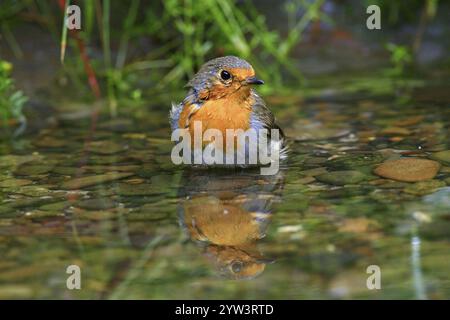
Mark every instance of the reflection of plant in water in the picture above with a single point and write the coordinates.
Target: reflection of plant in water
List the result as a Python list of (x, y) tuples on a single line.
[(11, 100)]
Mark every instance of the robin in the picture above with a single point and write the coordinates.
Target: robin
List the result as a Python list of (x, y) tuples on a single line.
[(221, 96)]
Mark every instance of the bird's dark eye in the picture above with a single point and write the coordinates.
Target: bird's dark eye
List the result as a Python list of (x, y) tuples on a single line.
[(225, 75), (237, 266)]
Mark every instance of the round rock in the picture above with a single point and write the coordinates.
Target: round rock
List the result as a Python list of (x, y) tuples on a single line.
[(408, 169)]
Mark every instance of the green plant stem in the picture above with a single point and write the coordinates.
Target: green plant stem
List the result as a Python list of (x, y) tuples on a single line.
[(106, 11), (9, 37), (128, 24), (64, 32)]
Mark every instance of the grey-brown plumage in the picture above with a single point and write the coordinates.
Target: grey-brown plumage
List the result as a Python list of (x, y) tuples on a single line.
[(207, 73)]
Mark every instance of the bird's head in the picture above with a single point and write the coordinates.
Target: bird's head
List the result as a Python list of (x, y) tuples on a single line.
[(223, 76)]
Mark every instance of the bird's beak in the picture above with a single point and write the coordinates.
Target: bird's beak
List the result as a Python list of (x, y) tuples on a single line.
[(253, 80), (265, 261)]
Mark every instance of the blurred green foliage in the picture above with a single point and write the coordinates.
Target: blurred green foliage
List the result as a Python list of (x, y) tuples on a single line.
[(144, 49), (183, 34), (400, 57), (187, 34), (199, 30), (11, 100), (401, 11)]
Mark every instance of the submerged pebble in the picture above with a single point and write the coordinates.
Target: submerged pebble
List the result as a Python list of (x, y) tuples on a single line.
[(10, 183), (106, 147), (67, 171), (424, 187), (305, 180), (57, 206), (313, 172), (79, 183), (442, 156), (5, 210), (106, 168), (410, 121), (143, 189), (15, 291), (408, 169), (34, 191), (95, 215), (30, 202), (14, 160), (340, 178), (42, 214), (96, 204), (393, 185), (355, 160), (147, 212), (49, 142), (31, 169), (393, 131), (358, 225)]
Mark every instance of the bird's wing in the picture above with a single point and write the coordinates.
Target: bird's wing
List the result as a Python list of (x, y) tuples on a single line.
[(192, 100), (174, 115), (262, 117)]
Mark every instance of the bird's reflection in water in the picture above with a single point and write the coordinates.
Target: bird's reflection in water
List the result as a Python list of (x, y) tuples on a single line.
[(226, 213)]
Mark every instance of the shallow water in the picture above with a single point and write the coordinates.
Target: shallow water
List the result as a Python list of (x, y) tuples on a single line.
[(104, 195)]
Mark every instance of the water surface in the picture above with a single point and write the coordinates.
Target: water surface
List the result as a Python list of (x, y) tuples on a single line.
[(104, 195)]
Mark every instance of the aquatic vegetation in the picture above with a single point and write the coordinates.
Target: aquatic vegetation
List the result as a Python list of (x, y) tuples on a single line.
[(11, 99)]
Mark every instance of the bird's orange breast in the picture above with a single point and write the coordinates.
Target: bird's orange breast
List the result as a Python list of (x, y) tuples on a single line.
[(231, 112)]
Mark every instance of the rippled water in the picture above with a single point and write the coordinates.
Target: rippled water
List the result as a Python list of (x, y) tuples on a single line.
[(105, 196)]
